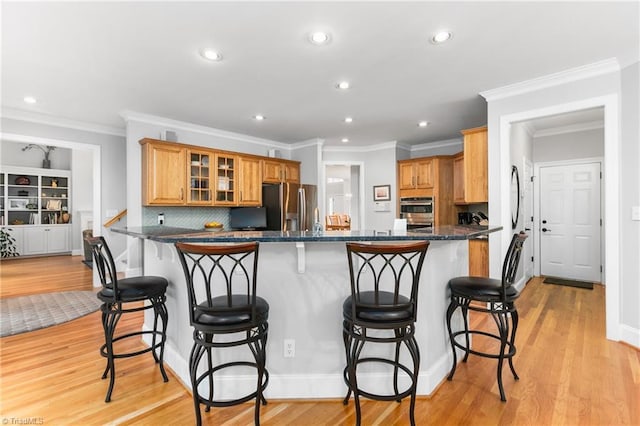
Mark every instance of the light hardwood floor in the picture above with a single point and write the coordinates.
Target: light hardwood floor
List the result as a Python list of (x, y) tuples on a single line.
[(569, 373)]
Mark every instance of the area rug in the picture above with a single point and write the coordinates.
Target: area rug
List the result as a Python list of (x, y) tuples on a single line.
[(570, 283), (28, 313)]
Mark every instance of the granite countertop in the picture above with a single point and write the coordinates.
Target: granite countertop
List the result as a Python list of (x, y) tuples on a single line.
[(168, 234)]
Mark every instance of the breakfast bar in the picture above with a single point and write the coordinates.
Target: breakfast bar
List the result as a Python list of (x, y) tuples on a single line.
[(304, 277)]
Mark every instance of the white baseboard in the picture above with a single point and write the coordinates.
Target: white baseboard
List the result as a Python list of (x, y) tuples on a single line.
[(304, 386), (630, 335)]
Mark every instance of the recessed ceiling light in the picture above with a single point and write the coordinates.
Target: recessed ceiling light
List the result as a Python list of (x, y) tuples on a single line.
[(344, 85), (441, 37), (211, 55), (348, 119), (344, 140), (30, 99), (259, 117), (319, 38), (423, 124)]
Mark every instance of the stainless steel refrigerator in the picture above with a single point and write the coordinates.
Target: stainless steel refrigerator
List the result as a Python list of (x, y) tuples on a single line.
[(290, 206)]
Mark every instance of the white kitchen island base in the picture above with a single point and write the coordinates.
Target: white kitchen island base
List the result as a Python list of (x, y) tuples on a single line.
[(307, 307)]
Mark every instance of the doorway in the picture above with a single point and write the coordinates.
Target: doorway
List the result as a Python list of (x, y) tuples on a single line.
[(90, 154), (343, 185), (610, 190)]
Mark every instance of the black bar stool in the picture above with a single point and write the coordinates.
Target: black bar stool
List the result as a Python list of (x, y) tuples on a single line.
[(382, 308), (495, 297), (221, 284), (116, 295)]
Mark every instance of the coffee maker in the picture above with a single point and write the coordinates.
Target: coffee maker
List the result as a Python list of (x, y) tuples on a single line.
[(465, 218)]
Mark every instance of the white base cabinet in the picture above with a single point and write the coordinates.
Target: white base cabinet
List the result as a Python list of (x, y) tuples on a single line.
[(45, 240)]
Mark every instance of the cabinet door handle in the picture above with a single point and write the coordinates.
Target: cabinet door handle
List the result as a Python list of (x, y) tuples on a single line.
[(181, 194)]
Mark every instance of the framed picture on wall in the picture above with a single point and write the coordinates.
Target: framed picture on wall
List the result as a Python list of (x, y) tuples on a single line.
[(382, 193)]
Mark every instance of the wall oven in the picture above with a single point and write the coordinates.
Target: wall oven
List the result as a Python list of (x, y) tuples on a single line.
[(417, 210)]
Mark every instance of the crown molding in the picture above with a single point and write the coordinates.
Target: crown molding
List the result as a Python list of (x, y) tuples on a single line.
[(304, 144), (50, 120), (439, 144), (574, 74), (572, 128), (171, 124), (378, 147)]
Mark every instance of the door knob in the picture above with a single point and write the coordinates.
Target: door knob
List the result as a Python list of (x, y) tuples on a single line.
[(545, 229)]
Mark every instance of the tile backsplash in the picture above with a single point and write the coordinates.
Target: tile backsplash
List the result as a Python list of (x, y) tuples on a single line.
[(186, 217)]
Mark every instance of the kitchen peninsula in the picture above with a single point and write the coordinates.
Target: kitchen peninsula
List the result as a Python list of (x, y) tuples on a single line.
[(305, 278)]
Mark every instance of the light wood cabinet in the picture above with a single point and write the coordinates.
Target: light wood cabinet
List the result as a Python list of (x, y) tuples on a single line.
[(458, 178), (226, 183), (471, 180), (163, 173), (430, 177), (276, 171), (201, 177), (250, 181), (479, 258), (292, 172), (444, 211), (174, 174), (415, 174)]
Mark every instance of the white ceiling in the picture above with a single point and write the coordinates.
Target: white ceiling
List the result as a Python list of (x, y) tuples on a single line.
[(90, 61)]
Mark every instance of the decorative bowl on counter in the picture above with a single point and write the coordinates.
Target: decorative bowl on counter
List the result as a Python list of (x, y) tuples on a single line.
[(213, 226)]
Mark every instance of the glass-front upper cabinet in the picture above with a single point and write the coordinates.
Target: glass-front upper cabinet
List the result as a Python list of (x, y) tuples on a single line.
[(226, 183), (200, 177)]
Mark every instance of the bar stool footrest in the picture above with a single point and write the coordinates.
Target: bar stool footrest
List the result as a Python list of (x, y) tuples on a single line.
[(212, 403), (507, 354), (378, 397)]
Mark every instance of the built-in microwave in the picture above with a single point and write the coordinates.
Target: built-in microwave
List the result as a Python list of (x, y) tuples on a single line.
[(417, 210)]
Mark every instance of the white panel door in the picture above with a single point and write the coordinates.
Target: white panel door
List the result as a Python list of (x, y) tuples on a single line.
[(570, 221)]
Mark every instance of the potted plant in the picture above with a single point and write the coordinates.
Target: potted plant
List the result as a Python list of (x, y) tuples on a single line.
[(7, 245)]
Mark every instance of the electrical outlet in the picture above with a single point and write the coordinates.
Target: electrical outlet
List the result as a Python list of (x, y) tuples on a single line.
[(289, 348), (161, 219)]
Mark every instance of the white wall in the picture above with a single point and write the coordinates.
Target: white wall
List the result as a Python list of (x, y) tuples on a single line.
[(309, 154), (12, 154), (569, 146), (447, 147), (81, 193), (630, 190)]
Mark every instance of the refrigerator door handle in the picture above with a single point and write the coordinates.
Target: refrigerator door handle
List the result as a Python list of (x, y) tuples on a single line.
[(302, 209), (284, 204)]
